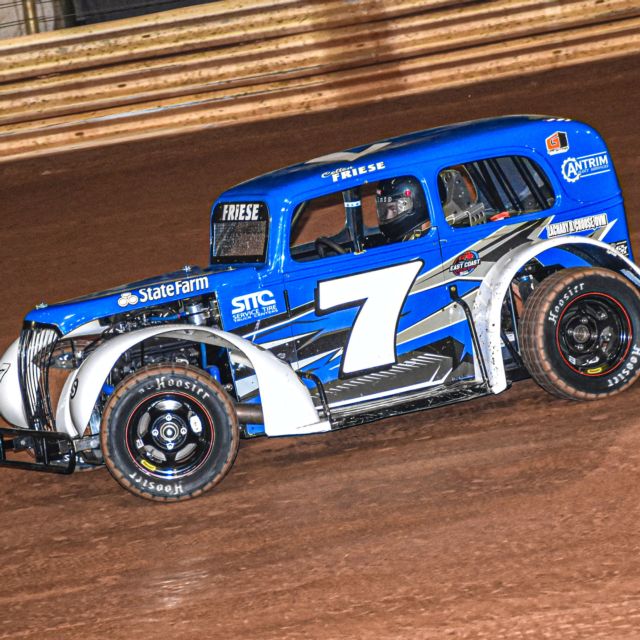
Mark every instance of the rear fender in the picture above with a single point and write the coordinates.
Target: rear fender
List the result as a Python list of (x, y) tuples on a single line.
[(286, 403), (488, 302)]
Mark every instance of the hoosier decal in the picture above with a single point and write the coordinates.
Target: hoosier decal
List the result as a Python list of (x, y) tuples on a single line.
[(588, 223)]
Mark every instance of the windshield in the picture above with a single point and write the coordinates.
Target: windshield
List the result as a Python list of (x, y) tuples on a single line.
[(239, 232)]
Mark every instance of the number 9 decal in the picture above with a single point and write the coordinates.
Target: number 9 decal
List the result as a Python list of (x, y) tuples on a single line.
[(380, 294)]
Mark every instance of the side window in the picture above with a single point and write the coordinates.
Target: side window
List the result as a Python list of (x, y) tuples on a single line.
[(357, 219), (493, 189)]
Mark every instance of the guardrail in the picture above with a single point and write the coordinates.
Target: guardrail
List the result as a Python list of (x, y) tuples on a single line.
[(235, 61)]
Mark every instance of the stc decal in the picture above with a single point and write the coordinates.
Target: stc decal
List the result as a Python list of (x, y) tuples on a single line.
[(253, 305)]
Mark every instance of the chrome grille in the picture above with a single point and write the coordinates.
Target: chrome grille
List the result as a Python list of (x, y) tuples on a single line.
[(36, 346)]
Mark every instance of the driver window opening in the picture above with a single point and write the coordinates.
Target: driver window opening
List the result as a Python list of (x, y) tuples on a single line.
[(357, 219)]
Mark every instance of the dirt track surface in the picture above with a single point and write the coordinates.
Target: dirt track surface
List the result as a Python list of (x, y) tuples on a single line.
[(510, 517)]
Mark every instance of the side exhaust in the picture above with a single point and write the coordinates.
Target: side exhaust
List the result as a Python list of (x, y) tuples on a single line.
[(249, 413)]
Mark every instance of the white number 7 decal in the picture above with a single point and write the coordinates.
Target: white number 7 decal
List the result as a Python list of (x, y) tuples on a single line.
[(381, 294)]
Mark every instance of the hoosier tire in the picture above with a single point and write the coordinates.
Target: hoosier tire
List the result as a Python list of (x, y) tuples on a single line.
[(169, 433), (580, 333)]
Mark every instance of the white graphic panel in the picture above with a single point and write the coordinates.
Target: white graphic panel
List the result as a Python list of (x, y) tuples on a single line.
[(382, 292)]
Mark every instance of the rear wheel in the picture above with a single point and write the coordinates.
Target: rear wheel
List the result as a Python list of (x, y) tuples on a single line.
[(169, 433), (580, 333)]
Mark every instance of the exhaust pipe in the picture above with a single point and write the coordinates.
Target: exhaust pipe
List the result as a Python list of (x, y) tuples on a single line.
[(249, 413)]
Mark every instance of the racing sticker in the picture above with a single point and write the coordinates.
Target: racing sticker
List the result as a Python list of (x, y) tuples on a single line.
[(573, 169), (241, 212), (344, 173), (162, 291), (465, 263), (253, 305), (557, 142), (587, 223), (4, 367), (621, 247)]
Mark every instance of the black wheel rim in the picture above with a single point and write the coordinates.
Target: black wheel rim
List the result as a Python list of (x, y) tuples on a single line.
[(169, 435), (594, 334)]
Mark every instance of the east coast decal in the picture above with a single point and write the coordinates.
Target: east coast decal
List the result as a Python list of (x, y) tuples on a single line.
[(557, 142), (465, 263), (573, 169), (252, 306), (587, 223), (162, 291)]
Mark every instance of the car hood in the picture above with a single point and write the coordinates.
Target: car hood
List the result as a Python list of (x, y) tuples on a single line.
[(186, 283)]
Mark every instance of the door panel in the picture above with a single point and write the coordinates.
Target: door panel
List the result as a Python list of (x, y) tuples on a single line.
[(380, 323)]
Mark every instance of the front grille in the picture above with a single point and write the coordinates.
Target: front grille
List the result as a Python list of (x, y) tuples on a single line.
[(36, 346)]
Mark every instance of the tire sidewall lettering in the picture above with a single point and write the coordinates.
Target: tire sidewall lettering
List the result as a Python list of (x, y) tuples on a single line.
[(157, 486), (624, 373), (570, 292)]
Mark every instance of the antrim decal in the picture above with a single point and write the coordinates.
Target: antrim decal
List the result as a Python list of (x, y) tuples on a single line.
[(588, 223), (253, 305), (585, 166), (161, 291), (465, 263)]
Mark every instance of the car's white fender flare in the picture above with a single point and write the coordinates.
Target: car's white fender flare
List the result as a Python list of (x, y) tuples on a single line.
[(11, 405), (286, 403), (491, 293)]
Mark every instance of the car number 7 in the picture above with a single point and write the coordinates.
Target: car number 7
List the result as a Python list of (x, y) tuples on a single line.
[(380, 294)]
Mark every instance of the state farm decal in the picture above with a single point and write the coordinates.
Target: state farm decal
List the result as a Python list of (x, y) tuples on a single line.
[(240, 212), (557, 142), (587, 223), (573, 169), (344, 173), (162, 291), (465, 263), (253, 305)]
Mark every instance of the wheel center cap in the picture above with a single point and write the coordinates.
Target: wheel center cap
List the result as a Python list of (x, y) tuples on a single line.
[(581, 333), (169, 431)]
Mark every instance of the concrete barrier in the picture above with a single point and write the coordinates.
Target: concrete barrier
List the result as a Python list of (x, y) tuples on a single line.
[(155, 76)]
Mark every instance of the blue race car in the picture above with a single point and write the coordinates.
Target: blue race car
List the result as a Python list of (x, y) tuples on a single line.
[(410, 273)]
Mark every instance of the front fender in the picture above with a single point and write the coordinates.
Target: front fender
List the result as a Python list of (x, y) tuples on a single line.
[(11, 405), (488, 302), (286, 403)]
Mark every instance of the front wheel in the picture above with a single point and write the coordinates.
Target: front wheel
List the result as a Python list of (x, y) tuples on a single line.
[(169, 433), (580, 333)]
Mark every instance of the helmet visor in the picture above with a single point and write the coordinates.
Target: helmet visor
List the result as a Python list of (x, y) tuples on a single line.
[(390, 208)]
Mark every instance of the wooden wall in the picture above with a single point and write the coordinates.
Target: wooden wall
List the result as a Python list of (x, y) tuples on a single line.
[(239, 61)]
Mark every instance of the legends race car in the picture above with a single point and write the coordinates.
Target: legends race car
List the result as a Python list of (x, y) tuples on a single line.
[(410, 273)]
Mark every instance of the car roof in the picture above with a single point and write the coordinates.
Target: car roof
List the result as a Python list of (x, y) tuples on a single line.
[(492, 133)]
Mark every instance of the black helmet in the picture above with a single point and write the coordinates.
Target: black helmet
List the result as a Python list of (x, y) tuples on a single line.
[(401, 207)]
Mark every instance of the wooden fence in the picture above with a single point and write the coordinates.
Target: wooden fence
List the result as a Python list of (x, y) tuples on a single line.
[(238, 61)]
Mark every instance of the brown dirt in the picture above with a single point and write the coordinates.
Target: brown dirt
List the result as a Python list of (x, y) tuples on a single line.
[(510, 517)]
